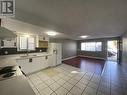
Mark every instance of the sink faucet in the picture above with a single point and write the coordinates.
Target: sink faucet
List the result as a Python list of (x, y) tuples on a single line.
[(27, 53)]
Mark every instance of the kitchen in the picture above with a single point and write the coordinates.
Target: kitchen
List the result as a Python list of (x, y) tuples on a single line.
[(27, 52)]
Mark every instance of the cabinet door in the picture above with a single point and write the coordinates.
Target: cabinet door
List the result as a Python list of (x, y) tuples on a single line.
[(38, 63), (9, 43), (25, 66), (50, 60), (33, 64), (46, 61), (43, 44)]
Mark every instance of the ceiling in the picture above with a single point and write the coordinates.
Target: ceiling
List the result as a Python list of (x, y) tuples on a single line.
[(95, 18)]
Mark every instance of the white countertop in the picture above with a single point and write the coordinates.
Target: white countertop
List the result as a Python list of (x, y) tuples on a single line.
[(23, 56), (7, 61), (33, 56), (16, 86)]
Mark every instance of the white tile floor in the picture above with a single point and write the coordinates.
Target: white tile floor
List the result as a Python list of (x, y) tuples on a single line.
[(68, 80)]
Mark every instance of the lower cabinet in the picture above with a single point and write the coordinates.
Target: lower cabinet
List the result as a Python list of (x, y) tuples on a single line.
[(30, 65)]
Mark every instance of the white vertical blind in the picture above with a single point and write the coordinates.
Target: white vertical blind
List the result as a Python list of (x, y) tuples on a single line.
[(31, 43), (23, 43), (27, 43)]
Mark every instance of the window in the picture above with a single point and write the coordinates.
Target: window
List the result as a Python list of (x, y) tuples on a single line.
[(23, 43), (83, 46), (98, 46), (31, 43), (91, 46), (26, 43)]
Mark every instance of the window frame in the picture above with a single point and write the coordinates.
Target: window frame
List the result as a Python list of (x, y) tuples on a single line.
[(27, 43), (88, 50)]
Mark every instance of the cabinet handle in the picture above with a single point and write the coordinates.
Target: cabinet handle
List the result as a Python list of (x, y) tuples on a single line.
[(2, 43), (30, 60), (46, 57)]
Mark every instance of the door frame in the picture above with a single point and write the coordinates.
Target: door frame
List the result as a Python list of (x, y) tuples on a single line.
[(118, 49)]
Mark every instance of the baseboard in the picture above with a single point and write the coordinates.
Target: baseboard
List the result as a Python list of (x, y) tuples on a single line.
[(83, 56), (69, 58), (91, 57)]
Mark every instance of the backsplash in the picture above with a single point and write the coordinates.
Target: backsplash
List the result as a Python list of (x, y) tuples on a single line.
[(8, 51)]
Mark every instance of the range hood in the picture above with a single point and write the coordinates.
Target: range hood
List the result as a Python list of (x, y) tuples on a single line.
[(6, 33)]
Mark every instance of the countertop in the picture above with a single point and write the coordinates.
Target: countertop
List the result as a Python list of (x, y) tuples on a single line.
[(33, 56), (23, 56), (17, 85)]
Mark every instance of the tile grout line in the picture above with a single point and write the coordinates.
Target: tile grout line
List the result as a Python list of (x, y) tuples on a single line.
[(87, 84), (76, 83), (99, 84), (34, 86), (65, 82), (68, 82), (54, 82), (47, 85), (58, 83), (101, 78)]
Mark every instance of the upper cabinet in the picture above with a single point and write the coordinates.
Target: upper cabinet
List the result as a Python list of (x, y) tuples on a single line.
[(8, 43), (25, 42), (22, 28), (31, 42), (43, 42)]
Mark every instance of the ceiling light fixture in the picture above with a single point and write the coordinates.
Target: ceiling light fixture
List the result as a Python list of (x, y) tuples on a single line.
[(84, 36), (51, 33)]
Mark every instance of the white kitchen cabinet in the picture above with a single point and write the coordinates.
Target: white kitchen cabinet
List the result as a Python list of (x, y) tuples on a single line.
[(30, 65), (8, 43), (24, 64), (41, 38), (50, 60)]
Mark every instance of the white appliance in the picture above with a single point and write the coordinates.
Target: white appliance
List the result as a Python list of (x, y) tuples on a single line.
[(56, 50)]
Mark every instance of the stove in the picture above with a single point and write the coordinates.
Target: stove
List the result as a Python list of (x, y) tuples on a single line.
[(9, 72)]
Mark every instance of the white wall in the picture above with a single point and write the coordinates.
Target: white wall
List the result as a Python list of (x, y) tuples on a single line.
[(22, 27)]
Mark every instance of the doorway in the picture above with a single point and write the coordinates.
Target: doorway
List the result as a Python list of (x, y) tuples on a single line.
[(112, 50)]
